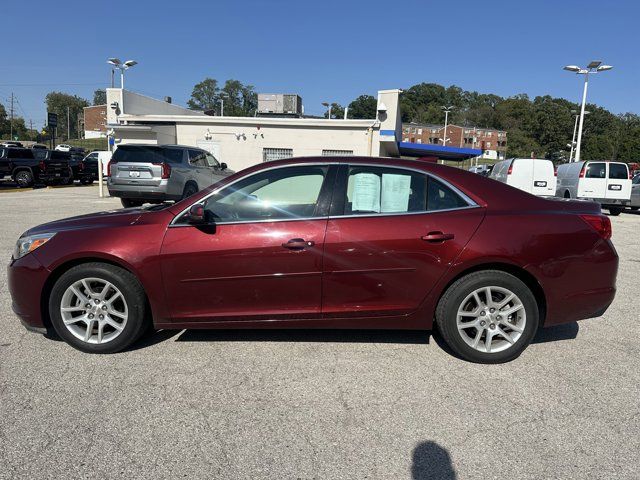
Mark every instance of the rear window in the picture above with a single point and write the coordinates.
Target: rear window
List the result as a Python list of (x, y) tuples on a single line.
[(596, 170), (618, 171), (40, 154), (56, 155), (147, 155)]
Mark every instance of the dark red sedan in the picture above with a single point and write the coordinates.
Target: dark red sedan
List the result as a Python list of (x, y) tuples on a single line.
[(324, 243)]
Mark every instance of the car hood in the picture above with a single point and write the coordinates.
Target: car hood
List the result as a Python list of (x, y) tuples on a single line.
[(111, 218)]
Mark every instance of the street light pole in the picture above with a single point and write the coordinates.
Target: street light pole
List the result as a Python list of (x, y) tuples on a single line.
[(446, 120), (593, 67), (584, 101)]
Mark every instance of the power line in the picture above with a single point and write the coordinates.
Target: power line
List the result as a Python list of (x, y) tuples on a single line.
[(50, 84)]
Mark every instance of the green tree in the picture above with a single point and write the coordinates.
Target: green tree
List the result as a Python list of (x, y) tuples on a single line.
[(100, 97), (239, 100), (364, 107), (337, 111), (204, 95), (64, 104)]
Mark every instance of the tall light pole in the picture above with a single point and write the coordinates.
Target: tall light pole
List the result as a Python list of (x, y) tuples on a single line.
[(593, 67), (575, 129), (222, 95), (446, 120), (122, 67), (328, 105)]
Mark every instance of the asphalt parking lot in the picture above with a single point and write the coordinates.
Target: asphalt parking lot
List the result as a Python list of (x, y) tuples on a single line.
[(326, 405)]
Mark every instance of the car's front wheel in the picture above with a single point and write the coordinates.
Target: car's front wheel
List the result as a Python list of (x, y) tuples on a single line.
[(24, 178), (98, 308), (488, 316)]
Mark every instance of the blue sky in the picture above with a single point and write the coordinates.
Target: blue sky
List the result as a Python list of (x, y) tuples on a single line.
[(327, 50)]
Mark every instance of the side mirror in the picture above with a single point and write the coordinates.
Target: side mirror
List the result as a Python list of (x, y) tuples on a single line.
[(196, 214), (223, 166)]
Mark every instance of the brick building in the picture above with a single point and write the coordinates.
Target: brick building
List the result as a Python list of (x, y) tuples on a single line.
[(95, 121), (492, 142)]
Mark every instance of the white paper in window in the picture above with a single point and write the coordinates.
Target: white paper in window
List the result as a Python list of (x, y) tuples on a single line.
[(366, 193), (395, 192)]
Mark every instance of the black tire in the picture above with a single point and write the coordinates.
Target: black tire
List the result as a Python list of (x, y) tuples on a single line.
[(567, 194), (615, 211), (131, 290), (446, 315), (635, 209), (89, 181), (129, 202), (24, 179), (189, 189)]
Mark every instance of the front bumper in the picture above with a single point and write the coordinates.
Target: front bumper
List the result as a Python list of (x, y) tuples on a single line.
[(26, 281)]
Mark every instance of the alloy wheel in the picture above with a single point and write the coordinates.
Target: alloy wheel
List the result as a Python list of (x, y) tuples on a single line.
[(94, 310), (491, 319)]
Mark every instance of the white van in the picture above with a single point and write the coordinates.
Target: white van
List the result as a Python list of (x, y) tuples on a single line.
[(607, 183), (533, 175)]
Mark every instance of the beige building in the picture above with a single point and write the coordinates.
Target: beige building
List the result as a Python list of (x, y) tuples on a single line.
[(244, 141)]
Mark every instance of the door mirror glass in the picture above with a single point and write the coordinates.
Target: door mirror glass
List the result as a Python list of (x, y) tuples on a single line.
[(223, 166), (196, 215)]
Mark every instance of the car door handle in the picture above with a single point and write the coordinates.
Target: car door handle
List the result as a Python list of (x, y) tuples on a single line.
[(437, 237), (298, 244)]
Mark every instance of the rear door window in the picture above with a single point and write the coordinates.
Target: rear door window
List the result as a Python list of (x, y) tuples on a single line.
[(197, 158), (19, 153), (618, 171), (596, 170), (381, 190)]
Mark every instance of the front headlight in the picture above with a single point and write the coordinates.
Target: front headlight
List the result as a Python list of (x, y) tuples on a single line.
[(29, 243)]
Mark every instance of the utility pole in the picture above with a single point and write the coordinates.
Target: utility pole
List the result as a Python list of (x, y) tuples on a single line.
[(68, 124), (11, 127)]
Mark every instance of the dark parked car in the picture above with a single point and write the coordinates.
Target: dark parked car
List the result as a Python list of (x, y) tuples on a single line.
[(324, 243), (77, 170), (156, 173), (27, 168)]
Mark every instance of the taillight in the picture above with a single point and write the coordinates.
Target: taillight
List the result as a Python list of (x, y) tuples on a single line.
[(510, 171), (42, 166), (166, 169), (555, 171), (109, 169), (81, 166), (583, 170), (600, 224)]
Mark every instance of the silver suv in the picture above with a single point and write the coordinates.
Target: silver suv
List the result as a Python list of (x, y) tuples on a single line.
[(148, 173)]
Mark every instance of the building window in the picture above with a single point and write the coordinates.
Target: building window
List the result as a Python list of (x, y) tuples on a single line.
[(488, 144), (419, 140), (270, 154), (419, 131), (337, 153)]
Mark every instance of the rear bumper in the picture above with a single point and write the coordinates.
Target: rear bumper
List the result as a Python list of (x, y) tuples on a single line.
[(53, 176), (617, 202), (143, 192)]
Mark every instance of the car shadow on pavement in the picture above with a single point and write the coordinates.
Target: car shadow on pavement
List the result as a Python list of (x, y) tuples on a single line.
[(566, 331), (431, 461), (306, 335)]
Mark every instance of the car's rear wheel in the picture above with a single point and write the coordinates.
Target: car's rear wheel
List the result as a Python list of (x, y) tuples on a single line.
[(615, 211), (128, 202), (24, 178), (98, 308), (488, 317), (189, 189)]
